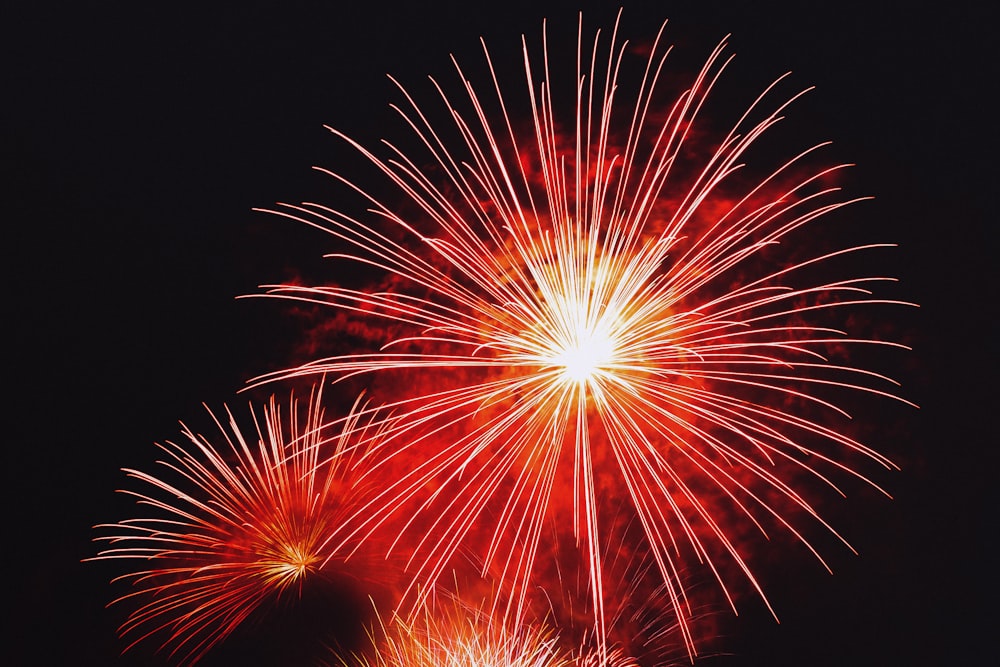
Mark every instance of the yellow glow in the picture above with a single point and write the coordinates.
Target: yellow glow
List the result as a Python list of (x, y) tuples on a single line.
[(293, 561)]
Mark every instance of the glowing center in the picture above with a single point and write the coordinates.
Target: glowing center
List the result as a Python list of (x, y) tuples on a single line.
[(581, 359), (292, 561)]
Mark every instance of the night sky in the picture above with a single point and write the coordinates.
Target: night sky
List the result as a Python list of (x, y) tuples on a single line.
[(139, 136)]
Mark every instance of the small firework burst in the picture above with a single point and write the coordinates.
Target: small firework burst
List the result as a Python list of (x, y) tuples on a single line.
[(447, 632), (599, 310), (233, 526)]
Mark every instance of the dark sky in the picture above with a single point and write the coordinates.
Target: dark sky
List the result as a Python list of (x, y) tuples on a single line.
[(138, 136)]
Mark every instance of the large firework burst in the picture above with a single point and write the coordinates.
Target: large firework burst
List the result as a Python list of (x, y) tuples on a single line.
[(601, 308), (231, 526)]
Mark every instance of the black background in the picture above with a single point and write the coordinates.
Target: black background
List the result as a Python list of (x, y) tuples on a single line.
[(139, 135)]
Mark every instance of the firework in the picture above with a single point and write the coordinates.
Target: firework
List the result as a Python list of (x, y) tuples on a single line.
[(450, 633), (240, 525), (600, 310)]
